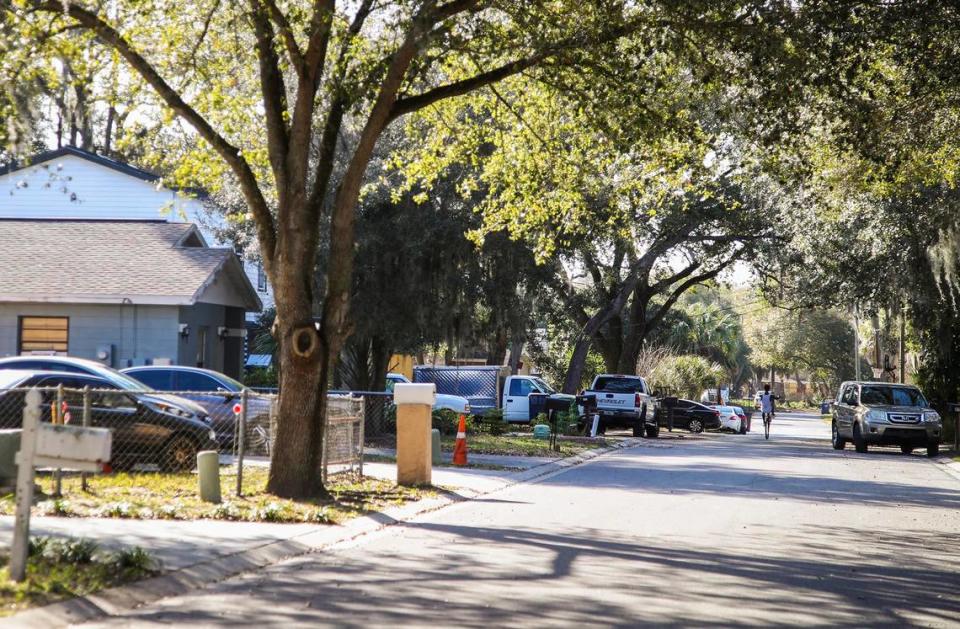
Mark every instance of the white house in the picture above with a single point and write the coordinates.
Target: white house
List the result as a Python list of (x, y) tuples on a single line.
[(70, 183)]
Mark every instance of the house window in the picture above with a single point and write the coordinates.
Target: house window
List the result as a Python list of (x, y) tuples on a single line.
[(261, 278), (44, 334)]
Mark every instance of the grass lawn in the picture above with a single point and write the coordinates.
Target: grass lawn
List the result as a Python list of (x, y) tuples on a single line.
[(523, 445), (58, 569), (175, 497)]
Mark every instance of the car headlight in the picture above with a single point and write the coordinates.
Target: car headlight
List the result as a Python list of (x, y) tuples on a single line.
[(876, 416), (931, 416), (172, 410)]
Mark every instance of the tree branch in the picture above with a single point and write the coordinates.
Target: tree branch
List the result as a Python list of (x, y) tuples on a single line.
[(274, 97), (230, 154), (286, 32)]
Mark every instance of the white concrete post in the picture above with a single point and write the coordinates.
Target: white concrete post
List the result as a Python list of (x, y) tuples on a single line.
[(21, 525)]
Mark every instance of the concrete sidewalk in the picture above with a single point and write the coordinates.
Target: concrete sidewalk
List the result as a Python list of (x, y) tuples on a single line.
[(194, 554), (179, 544), (516, 461)]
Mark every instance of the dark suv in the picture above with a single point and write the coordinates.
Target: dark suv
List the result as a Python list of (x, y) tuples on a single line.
[(146, 429), (885, 414)]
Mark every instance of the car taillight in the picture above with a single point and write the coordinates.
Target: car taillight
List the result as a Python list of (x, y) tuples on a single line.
[(717, 413), (636, 400)]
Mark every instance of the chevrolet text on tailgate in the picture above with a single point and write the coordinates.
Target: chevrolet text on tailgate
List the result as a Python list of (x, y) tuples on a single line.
[(623, 401)]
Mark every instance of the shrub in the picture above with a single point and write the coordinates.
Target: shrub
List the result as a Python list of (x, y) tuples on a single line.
[(493, 422), (447, 421), (73, 551), (135, 560)]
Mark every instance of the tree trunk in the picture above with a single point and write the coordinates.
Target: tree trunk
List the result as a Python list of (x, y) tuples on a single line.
[(295, 462), (516, 352), (577, 365)]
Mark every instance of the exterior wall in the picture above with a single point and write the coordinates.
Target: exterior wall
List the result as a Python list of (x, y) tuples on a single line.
[(224, 355), (139, 334), (73, 187)]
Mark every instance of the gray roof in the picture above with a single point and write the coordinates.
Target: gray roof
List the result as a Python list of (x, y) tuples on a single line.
[(143, 262)]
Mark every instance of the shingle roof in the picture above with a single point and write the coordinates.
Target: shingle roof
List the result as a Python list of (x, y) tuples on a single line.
[(145, 262)]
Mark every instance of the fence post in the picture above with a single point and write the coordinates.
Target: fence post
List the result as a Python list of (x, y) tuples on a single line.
[(241, 440), (57, 418), (21, 526), (86, 422)]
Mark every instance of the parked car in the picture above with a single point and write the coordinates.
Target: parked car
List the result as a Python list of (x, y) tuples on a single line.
[(623, 401), (119, 380), (744, 419), (693, 416), (884, 414), (730, 419), (455, 403), (146, 428), (213, 390)]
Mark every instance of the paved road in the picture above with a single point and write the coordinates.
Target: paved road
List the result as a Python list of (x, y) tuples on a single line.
[(721, 530)]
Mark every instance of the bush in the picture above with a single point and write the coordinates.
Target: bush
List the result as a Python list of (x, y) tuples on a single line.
[(492, 422), (447, 421)]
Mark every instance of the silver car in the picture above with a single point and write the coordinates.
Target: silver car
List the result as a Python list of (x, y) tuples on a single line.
[(885, 414)]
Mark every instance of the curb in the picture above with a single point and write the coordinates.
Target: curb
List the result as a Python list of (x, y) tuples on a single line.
[(123, 598), (946, 462)]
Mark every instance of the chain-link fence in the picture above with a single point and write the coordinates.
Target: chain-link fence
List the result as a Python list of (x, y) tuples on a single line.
[(380, 416), (159, 431)]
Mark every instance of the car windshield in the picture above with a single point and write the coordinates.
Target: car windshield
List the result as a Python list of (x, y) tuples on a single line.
[(892, 396), (234, 385), (544, 387), (120, 380), (618, 385)]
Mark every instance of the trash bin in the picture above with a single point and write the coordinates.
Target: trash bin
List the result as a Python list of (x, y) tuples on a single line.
[(825, 407), (538, 404)]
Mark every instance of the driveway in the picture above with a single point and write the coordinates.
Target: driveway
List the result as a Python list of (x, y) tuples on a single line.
[(713, 531)]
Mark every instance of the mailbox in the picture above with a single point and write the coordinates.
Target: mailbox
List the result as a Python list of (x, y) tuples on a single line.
[(72, 447), (419, 393)]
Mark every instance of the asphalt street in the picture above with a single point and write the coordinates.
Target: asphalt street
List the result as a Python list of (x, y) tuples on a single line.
[(705, 531)]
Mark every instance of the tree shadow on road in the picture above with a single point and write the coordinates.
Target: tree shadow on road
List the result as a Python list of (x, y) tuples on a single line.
[(451, 574)]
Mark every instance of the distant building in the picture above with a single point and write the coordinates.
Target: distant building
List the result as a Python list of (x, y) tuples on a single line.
[(70, 183), (122, 292)]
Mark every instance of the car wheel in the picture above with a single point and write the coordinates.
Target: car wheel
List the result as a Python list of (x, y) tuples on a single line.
[(839, 443), (179, 455), (906, 449), (859, 442), (933, 448), (653, 432), (696, 425)]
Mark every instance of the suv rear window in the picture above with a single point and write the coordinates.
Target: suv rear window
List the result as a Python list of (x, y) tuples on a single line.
[(619, 385), (892, 396)]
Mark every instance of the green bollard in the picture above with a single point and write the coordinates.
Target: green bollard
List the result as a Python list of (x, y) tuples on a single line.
[(435, 441), (208, 475)]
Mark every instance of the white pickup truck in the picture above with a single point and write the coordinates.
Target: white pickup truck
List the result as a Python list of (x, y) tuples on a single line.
[(623, 402), (516, 397)]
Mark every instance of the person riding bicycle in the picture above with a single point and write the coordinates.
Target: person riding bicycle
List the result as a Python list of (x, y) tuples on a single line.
[(768, 405)]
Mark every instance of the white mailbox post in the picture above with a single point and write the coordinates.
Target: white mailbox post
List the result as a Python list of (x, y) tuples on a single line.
[(414, 447), (49, 445)]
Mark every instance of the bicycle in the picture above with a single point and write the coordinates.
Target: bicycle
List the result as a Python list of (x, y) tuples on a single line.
[(767, 418)]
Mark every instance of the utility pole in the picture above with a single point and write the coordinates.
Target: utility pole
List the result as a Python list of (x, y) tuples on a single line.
[(903, 355), (856, 341)]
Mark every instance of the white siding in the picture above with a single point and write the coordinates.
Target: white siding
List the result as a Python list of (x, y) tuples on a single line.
[(73, 187)]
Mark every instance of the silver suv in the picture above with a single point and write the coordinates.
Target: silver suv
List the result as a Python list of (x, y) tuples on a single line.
[(885, 414)]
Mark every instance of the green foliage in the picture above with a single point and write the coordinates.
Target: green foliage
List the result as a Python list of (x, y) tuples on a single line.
[(686, 374), (447, 421), (492, 422)]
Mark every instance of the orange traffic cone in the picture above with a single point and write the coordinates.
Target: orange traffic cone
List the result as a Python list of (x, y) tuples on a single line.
[(460, 448)]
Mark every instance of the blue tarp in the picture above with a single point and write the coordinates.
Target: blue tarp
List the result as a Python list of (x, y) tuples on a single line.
[(259, 360)]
